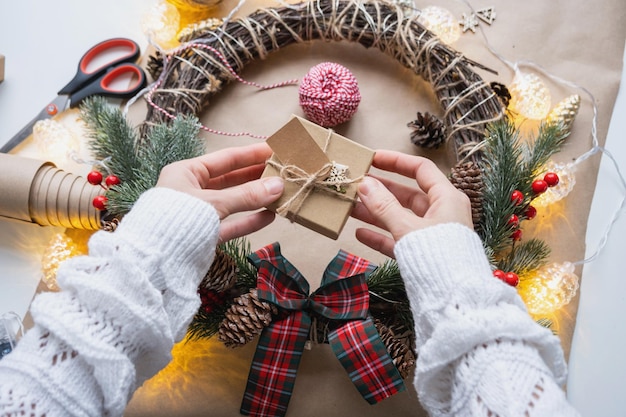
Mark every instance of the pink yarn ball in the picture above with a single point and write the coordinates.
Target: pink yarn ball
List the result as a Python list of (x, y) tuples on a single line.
[(329, 94)]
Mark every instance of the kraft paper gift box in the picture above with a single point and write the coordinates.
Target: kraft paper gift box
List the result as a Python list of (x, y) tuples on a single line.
[(301, 143)]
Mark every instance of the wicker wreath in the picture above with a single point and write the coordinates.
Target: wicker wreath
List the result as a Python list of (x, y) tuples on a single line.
[(192, 74)]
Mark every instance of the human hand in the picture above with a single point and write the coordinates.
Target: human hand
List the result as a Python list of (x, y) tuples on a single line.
[(401, 209), (229, 180)]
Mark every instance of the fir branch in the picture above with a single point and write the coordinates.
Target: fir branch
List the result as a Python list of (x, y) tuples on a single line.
[(550, 138), (167, 143), (388, 299), (112, 137), (525, 257), (239, 249), (205, 325), (502, 176)]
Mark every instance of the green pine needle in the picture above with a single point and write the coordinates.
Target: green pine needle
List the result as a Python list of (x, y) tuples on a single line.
[(239, 249), (525, 257), (136, 163)]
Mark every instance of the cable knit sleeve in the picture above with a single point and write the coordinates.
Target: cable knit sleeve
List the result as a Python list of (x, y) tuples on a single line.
[(479, 352), (120, 310)]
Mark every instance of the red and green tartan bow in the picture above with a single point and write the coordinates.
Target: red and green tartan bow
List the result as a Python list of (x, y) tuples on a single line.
[(343, 298)]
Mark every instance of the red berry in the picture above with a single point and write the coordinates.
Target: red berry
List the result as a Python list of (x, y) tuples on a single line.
[(498, 273), (99, 202), (539, 186), (513, 220), (511, 278), (551, 178), (517, 197), (94, 178), (517, 235), (530, 212), (112, 180)]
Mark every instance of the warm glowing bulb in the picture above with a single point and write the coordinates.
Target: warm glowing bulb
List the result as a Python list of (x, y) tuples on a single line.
[(529, 96), (549, 289), (161, 23), (441, 22), (54, 140), (567, 180), (61, 247)]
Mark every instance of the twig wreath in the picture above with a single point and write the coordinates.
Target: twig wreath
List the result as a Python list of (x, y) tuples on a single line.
[(494, 167), (198, 70)]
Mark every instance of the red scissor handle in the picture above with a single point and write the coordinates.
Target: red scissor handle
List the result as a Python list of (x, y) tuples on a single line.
[(104, 86), (83, 77)]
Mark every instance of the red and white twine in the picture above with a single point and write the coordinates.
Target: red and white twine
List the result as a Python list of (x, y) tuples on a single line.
[(329, 94)]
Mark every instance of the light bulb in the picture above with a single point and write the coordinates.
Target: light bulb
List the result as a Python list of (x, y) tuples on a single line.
[(550, 288), (54, 140), (161, 23), (441, 22), (567, 180), (61, 247), (529, 96)]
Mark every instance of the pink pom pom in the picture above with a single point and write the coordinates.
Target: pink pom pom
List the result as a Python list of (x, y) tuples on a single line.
[(329, 94)]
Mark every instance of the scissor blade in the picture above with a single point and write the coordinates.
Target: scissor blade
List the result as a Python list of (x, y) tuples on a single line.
[(60, 103)]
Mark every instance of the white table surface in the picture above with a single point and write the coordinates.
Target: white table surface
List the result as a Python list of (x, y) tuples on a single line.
[(42, 42)]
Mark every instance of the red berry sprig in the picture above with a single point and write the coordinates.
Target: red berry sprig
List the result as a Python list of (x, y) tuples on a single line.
[(551, 178), (517, 197), (95, 178), (531, 212), (510, 278), (100, 202), (539, 186), (112, 180)]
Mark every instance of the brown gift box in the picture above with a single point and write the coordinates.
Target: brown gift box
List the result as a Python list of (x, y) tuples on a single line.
[(301, 143), (1, 67)]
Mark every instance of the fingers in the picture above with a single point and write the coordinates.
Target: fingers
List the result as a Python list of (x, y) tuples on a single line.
[(245, 197), (243, 226), (215, 164), (385, 209), (423, 170), (376, 241), (237, 177)]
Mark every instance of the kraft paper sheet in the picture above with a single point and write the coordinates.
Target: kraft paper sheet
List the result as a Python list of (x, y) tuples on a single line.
[(573, 40)]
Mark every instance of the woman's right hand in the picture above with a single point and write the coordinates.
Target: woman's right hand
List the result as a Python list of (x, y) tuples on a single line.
[(400, 209)]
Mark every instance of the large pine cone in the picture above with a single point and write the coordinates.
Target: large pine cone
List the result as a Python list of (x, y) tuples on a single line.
[(401, 354), (429, 131), (223, 273), (245, 319), (467, 177)]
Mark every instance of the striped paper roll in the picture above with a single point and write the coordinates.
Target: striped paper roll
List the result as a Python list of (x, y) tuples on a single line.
[(38, 192)]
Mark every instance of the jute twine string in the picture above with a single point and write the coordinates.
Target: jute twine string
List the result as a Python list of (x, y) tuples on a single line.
[(309, 182), (195, 74)]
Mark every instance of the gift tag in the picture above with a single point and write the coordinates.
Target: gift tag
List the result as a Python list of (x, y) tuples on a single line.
[(293, 145)]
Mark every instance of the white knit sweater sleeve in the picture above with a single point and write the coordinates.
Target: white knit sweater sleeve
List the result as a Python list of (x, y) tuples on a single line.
[(479, 352), (120, 310)]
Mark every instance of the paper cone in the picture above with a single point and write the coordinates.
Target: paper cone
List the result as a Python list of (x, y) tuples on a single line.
[(38, 192)]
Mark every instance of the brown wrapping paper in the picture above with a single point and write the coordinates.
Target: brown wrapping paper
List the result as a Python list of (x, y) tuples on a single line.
[(583, 45), (37, 192), (301, 143)]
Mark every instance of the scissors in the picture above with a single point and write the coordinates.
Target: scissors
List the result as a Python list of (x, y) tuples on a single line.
[(98, 81)]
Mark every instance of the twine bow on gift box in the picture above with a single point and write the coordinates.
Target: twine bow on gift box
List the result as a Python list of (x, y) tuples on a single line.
[(343, 299)]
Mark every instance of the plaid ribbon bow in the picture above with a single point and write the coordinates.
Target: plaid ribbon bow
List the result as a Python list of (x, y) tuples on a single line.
[(343, 298)]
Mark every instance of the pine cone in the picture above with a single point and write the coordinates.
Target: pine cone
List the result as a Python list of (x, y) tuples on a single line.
[(245, 319), (428, 131), (223, 273), (110, 225), (154, 65), (467, 177), (502, 92), (401, 355)]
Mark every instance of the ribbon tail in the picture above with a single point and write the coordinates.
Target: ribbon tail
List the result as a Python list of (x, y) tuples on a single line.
[(275, 365), (364, 356)]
